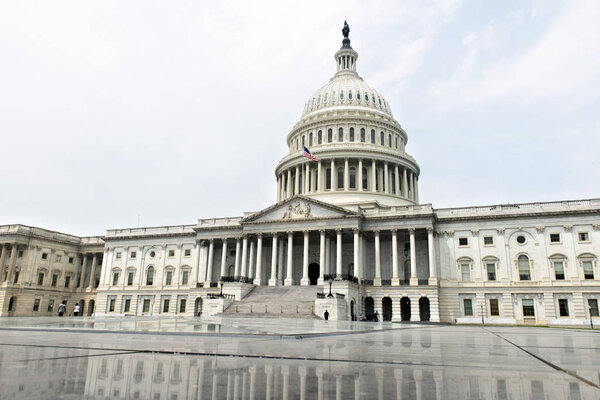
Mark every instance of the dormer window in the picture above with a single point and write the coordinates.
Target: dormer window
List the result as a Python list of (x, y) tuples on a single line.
[(325, 98), (350, 95), (366, 96), (358, 96), (341, 95)]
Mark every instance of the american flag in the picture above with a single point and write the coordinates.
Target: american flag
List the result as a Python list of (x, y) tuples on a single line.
[(307, 154)]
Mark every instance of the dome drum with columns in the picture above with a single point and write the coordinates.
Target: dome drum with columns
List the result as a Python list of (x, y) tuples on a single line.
[(360, 147)]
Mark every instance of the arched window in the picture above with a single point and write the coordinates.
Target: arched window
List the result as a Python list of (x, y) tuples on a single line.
[(319, 100), (389, 140), (310, 139), (150, 276), (364, 178), (367, 96), (342, 95), (350, 95), (329, 135), (352, 134), (340, 135), (524, 268), (358, 96), (362, 135), (396, 141), (340, 178), (381, 139), (373, 136), (320, 137), (328, 178), (352, 178), (303, 141), (297, 145), (325, 98)]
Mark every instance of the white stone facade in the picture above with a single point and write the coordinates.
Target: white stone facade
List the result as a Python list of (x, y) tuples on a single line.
[(353, 218)]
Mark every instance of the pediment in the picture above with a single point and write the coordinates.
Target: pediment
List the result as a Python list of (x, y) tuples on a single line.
[(299, 208)]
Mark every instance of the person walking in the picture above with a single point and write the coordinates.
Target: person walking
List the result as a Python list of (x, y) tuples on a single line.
[(76, 310), (62, 307)]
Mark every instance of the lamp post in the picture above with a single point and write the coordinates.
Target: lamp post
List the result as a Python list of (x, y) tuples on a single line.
[(221, 291), (330, 283)]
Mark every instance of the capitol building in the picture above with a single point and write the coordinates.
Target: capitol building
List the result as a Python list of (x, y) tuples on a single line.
[(347, 236)]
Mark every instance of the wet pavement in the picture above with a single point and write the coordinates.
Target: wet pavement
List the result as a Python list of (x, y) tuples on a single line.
[(245, 358)]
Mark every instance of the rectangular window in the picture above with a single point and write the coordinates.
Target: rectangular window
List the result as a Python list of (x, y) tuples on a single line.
[(362, 135), (130, 278), (559, 270), (329, 136), (111, 305), (118, 255), (563, 307), (133, 255), (54, 280), (491, 271), (463, 242), (40, 279), (584, 237), (16, 280), (67, 281), (169, 278), (488, 240), (146, 306), (184, 277), (465, 270), (320, 137), (127, 305), (171, 253), (71, 260), (352, 134), (36, 305), (494, 308), (166, 305), (50, 305), (588, 269), (182, 305), (44, 256), (372, 137), (115, 278), (468, 307), (555, 238), (20, 254), (528, 309), (593, 307), (381, 139), (340, 135), (187, 252)]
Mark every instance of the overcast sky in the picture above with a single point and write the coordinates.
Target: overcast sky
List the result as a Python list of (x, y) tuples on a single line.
[(168, 112)]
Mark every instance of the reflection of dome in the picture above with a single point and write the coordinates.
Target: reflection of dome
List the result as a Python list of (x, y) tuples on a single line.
[(350, 128)]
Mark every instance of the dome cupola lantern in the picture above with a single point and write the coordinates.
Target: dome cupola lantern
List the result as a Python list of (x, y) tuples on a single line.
[(358, 147)]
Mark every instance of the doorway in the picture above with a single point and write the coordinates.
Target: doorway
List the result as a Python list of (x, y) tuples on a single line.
[(91, 305), (386, 305), (369, 308), (198, 307), (424, 308), (405, 309), (313, 273), (81, 307), (352, 311)]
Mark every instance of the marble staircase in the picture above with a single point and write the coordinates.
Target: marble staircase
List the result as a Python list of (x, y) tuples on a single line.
[(276, 302)]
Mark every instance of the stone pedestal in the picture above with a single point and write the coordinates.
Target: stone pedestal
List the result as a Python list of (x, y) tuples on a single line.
[(215, 306), (336, 308)]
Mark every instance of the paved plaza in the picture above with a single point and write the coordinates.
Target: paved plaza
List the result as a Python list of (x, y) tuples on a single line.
[(250, 358)]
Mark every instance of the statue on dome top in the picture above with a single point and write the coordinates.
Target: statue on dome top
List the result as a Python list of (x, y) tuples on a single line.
[(345, 29)]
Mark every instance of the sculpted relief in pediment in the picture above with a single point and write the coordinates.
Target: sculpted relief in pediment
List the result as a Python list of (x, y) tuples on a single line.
[(297, 210)]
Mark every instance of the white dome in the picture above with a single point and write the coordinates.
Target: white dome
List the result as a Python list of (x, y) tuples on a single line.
[(346, 90)]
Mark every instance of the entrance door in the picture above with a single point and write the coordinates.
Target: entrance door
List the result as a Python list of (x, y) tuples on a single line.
[(369, 308), (198, 307), (424, 308), (352, 312), (90, 308), (405, 309), (81, 307), (313, 273), (386, 305)]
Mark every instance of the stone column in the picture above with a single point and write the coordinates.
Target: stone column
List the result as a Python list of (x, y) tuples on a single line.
[(356, 253), (83, 267), (244, 256), (359, 174), (297, 181), (11, 262), (236, 386), (397, 192), (92, 284), (414, 280), (338, 256), (338, 387), (258, 276), (416, 189), (285, 371), (346, 175), (398, 377), (209, 263), (280, 263), (273, 279), (377, 280), (289, 280), (319, 177), (237, 257), (321, 257), (224, 259), (431, 251), (404, 183), (251, 262), (288, 192), (386, 178), (373, 176), (302, 373), (327, 266), (252, 371), (333, 176), (395, 279), (268, 383), (305, 281), (411, 187)]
